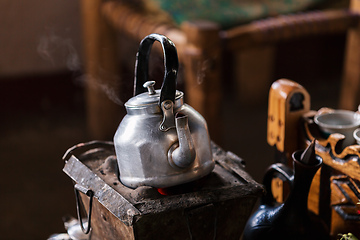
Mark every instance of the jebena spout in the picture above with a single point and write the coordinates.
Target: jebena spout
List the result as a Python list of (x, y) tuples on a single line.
[(183, 155)]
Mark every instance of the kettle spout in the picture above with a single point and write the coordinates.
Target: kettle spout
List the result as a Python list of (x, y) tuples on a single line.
[(183, 155)]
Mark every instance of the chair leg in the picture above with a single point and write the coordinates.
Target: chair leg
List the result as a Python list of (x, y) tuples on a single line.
[(349, 97), (202, 66), (101, 72), (254, 71), (351, 77)]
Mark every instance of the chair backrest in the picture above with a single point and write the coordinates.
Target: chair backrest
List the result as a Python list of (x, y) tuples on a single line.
[(200, 46)]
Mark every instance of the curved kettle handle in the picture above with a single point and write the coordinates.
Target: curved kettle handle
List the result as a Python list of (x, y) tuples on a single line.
[(171, 63), (277, 168)]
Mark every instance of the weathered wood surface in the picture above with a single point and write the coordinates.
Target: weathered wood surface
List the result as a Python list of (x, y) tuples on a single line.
[(217, 206)]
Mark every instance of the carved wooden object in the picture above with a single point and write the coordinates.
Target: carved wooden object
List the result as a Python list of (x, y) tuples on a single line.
[(334, 194), (288, 101), (339, 180)]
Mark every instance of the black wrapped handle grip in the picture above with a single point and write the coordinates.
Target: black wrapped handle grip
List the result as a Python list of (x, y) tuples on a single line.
[(171, 64)]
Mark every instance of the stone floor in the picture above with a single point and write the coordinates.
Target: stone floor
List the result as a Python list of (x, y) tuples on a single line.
[(42, 116)]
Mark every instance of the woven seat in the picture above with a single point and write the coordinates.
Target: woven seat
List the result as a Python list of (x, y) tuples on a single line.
[(231, 13)]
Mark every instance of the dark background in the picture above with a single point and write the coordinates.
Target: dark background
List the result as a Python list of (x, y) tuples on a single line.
[(42, 115)]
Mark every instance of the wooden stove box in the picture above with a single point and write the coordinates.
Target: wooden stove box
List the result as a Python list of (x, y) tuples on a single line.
[(214, 207)]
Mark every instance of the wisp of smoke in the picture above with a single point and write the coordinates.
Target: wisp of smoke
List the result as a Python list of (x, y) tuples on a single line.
[(96, 83), (51, 45)]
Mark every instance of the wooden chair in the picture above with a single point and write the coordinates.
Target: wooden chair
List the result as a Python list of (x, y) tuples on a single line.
[(201, 46)]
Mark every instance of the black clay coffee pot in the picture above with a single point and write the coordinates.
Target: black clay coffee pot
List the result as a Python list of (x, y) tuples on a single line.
[(291, 219)]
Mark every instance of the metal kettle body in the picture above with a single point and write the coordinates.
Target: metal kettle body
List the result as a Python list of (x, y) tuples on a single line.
[(162, 141)]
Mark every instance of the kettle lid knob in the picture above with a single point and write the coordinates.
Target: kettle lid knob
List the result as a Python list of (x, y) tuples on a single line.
[(150, 86)]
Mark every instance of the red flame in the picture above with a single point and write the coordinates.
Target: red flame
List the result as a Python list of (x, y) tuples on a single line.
[(183, 188), (162, 191)]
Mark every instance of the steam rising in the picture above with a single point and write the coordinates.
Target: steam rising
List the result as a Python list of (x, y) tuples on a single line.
[(203, 68), (52, 45), (96, 83), (52, 48)]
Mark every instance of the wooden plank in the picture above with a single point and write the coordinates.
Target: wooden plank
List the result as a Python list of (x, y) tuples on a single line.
[(203, 68), (101, 73), (349, 96)]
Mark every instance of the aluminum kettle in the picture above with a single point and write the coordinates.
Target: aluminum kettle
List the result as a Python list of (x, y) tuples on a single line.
[(161, 141)]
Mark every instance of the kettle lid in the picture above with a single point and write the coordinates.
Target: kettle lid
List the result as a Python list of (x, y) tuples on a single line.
[(146, 99)]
